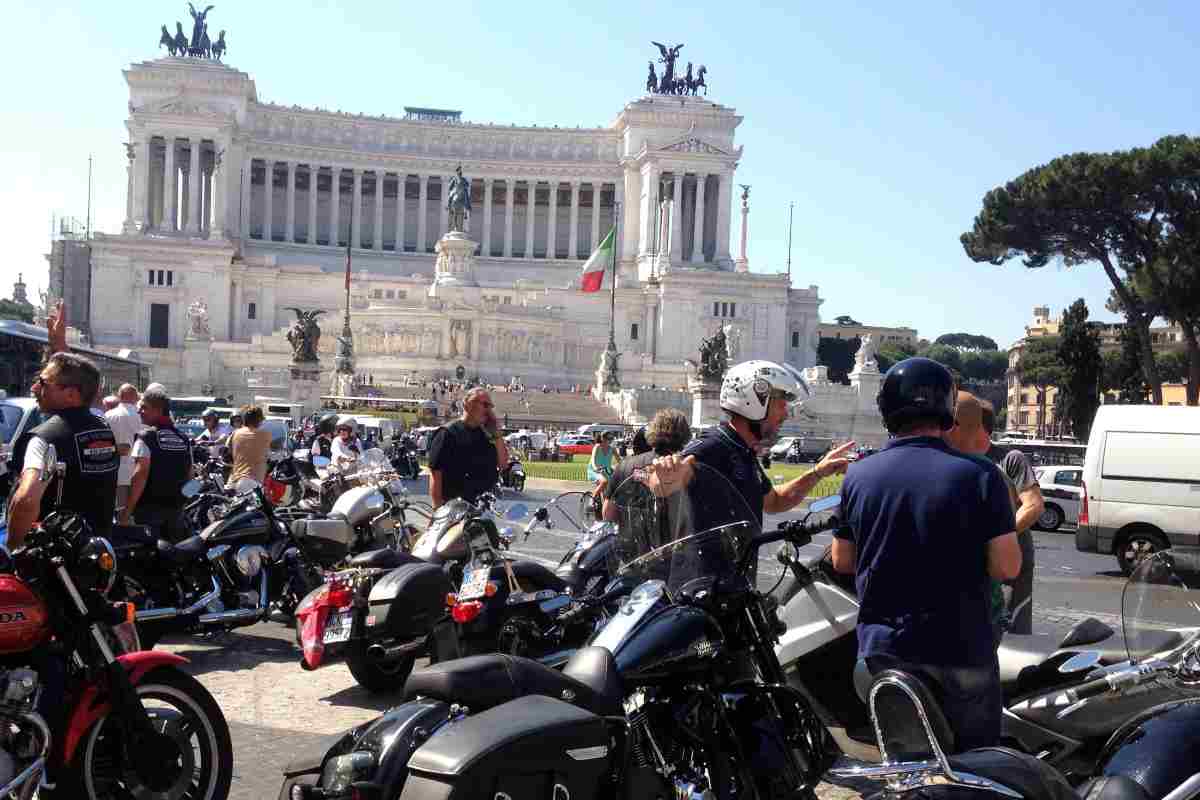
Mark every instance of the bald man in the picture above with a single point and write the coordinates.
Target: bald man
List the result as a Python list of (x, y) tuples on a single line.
[(126, 423), (466, 456), (972, 434)]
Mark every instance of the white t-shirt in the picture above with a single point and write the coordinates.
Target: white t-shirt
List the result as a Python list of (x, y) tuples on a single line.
[(340, 449), (126, 424), (35, 454), (214, 450)]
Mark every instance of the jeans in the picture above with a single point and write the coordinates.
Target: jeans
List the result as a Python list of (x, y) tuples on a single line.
[(166, 523), (970, 697), (1020, 603)]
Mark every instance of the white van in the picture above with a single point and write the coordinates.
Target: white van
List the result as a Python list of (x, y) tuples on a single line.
[(1141, 482), (280, 407), (601, 427)]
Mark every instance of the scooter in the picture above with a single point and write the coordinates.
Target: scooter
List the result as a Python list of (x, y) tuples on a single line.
[(513, 476)]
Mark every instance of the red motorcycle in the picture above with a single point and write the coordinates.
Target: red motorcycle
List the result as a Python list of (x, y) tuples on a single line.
[(136, 725)]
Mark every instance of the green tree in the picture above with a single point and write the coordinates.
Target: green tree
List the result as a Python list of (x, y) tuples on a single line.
[(1173, 367), (1079, 355), (1122, 370), (984, 365), (889, 354), (944, 354), (846, 319), (966, 341), (10, 309), (1040, 368), (1113, 209), (838, 355)]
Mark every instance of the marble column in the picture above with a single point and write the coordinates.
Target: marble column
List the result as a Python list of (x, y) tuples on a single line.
[(698, 213), (530, 208), (573, 235), (169, 213), (626, 193), (220, 191), (508, 215), (266, 311), (724, 198), (677, 219), (206, 192), (619, 201), (597, 191), (422, 213), (130, 223), (444, 211), (244, 209), (552, 222), (648, 229), (290, 229), (356, 214), (269, 202), (237, 313), (335, 206), (377, 243), (314, 172), (486, 247), (193, 223), (401, 183)]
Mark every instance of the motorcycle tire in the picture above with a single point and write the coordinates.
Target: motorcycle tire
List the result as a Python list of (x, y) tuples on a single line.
[(102, 746), (519, 485), (377, 678)]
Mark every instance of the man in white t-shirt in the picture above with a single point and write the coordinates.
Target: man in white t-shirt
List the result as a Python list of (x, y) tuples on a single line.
[(126, 423), (346, 447)]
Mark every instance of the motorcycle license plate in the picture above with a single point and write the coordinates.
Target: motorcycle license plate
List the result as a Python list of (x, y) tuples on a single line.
[(474, 583), (337, 629)]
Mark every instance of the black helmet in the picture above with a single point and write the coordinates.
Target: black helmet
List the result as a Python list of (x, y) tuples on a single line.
[(327, 423), (916, 388)]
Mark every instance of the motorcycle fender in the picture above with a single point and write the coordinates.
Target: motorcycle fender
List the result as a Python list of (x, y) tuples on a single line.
[(93, 706)]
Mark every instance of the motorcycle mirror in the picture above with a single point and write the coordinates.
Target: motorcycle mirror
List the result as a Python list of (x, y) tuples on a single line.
[(320, 462), (1080, 662), (49, 463), (825, 504), (190, 489), (516, 511)]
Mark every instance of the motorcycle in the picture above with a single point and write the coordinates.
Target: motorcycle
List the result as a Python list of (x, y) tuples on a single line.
[(1153, 755), (136, 724), (403, 455), (513, 476), (819, 655), (679, 694), (427, 602)]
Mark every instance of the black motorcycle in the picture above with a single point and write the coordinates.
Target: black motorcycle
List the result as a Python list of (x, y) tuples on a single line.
[(1153, 755), (403, 455), (680, 694)]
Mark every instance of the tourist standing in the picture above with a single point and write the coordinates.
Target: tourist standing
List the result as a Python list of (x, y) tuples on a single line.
[(125, 423), (466, 456), (250, 445)]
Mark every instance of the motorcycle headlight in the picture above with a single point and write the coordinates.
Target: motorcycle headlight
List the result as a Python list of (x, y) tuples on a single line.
[(249, 559), (342, 771), (96, 565)]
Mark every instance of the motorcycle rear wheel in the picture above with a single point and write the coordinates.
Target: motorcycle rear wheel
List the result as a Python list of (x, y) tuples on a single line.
[(375, 677), (180, 707)]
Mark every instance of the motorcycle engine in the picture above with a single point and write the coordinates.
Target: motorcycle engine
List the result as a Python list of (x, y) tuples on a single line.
[(20, 689)]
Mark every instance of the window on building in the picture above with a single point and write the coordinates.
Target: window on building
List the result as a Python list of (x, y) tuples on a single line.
[(716, 309), (1024, 417), (1024, 398), (633, 332), (160, 277), (390, 294), (377, 294), (733, 309), (795, 338), (170, 277), (252, 311), (508, 299), (401, 294), (151, 277)]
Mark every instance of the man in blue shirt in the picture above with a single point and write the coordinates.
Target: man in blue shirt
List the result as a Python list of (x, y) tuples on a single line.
[(926, 527)]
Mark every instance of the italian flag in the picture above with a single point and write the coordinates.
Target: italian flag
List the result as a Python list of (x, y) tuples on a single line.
[(592, 277)]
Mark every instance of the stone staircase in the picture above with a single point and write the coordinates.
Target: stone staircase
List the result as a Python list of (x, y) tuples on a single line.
[(557, 410)]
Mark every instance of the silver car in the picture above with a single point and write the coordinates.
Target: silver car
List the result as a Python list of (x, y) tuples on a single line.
[(1061, 488)]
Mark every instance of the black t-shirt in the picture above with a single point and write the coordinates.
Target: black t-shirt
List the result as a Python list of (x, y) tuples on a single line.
[(467, 460), (723, 450)]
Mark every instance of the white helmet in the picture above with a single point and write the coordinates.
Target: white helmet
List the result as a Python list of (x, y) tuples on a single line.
[(748, 387)]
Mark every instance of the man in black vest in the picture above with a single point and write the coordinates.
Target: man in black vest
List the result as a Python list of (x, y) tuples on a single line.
[(64, 389), (162, 464)]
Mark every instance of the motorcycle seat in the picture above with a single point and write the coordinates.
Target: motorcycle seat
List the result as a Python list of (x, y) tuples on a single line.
[(184, 551), (1028, 776), (543, 576), (384, 558), (1112, 787), (483, 682)]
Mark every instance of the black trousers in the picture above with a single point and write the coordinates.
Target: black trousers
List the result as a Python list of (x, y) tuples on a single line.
[(166, 522)]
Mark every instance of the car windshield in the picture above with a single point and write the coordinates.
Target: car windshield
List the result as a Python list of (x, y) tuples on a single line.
[(1160, 605), (679, 534)]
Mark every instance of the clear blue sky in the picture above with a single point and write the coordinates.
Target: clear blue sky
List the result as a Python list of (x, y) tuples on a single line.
[(884, 122)]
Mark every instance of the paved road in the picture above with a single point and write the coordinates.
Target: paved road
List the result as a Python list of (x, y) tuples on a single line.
[(276, 710)]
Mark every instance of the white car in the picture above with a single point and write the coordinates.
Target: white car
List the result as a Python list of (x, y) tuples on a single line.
[(779, 450), (1061, 488)]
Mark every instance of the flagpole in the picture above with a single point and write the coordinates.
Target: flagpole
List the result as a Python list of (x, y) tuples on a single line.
[(612, 303)]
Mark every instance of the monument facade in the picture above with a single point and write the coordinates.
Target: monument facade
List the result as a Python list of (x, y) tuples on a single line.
[(466, 239)]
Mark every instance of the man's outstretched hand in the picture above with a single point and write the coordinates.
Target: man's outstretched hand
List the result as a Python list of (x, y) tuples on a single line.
[(56, 329), (836, 460)]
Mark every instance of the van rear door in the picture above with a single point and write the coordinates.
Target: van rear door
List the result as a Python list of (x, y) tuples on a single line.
[(1149, 478)]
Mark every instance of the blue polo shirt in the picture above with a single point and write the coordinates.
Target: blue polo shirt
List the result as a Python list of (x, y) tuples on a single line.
[(921, 515), (723, 449)]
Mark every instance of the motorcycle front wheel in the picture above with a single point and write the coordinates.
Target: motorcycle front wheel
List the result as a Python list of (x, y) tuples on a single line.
[(183, 710)]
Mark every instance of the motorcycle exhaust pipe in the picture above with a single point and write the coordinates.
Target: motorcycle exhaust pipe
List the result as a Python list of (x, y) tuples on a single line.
[(241, 615), (159, 614), (381, 654)]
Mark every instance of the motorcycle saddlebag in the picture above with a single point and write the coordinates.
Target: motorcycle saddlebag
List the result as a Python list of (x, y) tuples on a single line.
[(406, 602), (534, 747), (326, 540)]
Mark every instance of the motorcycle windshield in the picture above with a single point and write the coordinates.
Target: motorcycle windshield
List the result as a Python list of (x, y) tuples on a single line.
[(691, 526), (374, 460), (1160, 605), (568, 512)]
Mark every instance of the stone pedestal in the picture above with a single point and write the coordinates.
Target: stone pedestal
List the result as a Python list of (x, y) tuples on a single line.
[(455, 264), (706, 404), (305, 386), (197, 364)]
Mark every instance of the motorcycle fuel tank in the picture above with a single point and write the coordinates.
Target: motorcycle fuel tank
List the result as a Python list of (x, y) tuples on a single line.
[(247, 524), (23, 616), (1159, 750), (359, 504)]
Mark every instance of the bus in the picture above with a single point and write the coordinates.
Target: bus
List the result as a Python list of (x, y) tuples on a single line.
[(22, 346), (1041, 452)]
